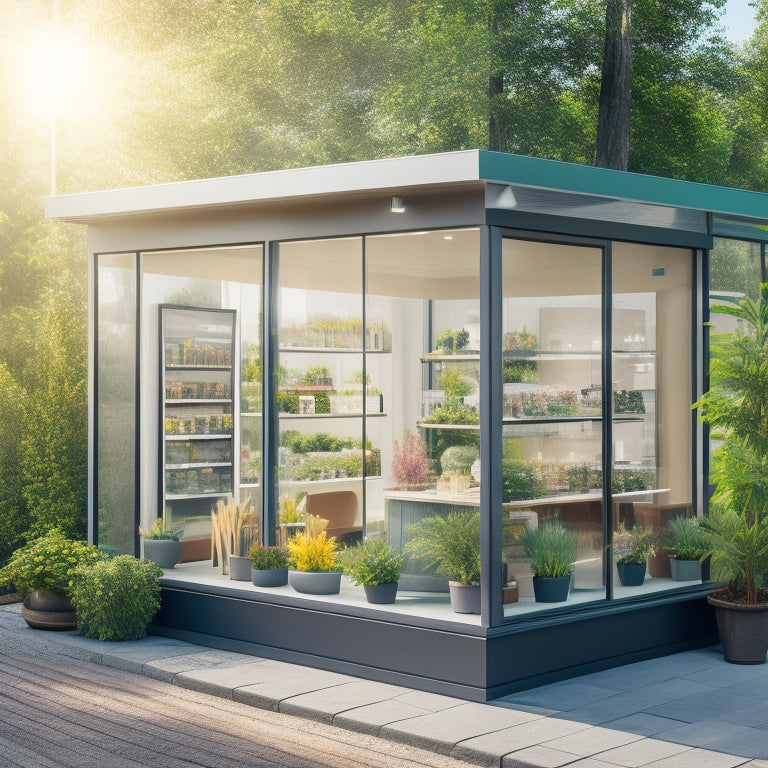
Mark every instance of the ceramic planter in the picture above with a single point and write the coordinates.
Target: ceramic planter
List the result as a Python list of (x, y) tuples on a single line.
[(548, 589), (631, 574), (685, 570), (315, 582), (381, 594), (465, 598), (743, 630), (239, 568), (45, 609), (277, 577), (163, 552)]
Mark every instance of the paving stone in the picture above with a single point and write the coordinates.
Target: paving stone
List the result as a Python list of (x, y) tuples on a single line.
[(441, 731), (220, 680), (699, 758), (489, 748), (370, 718), (592, 741), (432, 702), (538, 757), (325, 705), (752, 742), (695, 708), (207, 659), (704, 733), (643, 752), (643, 724), (560, 697)]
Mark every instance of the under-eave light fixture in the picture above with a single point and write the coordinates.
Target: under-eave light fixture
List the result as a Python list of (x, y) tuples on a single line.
[(397, 205)]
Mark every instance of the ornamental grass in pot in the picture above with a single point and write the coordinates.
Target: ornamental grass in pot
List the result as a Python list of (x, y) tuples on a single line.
[(162, 543), (451, 545), (685, 543), (552, 549), (376, 566), (631, 550), (269, 566), (737, 529), (42, 573)]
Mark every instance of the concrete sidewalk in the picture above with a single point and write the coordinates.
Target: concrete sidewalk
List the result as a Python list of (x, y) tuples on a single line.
[(690, 710)]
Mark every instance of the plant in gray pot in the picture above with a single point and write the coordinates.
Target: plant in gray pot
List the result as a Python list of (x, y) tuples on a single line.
[(737, 527), (631, 550), (685, 543), (269, 566), (451, 545), (376, 566), (552, 549), (162, 543), (314, 567)]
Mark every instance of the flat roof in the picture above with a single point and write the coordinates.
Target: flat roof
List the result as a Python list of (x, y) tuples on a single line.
[(438, 170)]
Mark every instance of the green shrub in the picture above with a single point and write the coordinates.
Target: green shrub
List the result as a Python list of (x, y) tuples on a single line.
[(519, 481), (552, 549), (48, 562), (372, 563), (268, 558), (116, 599), (458, 459)]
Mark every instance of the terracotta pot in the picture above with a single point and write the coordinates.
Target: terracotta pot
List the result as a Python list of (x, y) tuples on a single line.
[(45, 609)]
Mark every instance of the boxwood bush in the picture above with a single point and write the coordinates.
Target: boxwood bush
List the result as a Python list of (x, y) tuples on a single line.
[(116, 599)]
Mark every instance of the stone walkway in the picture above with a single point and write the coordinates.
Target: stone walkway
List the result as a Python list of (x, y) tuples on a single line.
[(690, 710)]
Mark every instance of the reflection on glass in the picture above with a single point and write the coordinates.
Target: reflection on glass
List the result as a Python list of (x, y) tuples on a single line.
[(552, 406), (115, 412), (323, 388), (651, 479)]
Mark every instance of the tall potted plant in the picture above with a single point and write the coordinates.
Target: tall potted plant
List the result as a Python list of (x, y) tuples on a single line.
[(451, 545), (631, 550), (552, 549), (736, 409)]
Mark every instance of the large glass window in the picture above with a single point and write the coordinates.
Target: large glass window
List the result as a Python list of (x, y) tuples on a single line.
[(115, 491), (201, 387)]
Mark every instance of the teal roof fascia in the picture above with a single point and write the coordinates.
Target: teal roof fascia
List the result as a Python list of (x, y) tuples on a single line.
[(501, 168)]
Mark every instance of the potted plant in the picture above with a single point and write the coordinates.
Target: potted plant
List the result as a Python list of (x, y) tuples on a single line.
[(269, 566), (133, 587), (410, 465), (737, 528), (162, 543), (631, 550), (314, 567), (552, 549), (42, 571), (685, 544), (376, 566), (451, 545)]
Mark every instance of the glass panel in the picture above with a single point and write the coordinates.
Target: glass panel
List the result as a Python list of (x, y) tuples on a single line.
[(320, 385), (423, 356), (115, 403), (552, 436), (210, 378), (651, 399)]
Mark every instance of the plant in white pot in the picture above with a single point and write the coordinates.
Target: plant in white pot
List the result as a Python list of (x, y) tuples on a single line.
[(736, 409), (451, 545), (376, 566)]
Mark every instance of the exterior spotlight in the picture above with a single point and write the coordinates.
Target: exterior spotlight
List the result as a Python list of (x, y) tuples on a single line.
[(397, 205)]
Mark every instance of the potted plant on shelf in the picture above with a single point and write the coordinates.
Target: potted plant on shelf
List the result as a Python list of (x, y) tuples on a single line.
[(227, 523), (269, 566), (162, 543), (737, 529), (552, 549), (451, 545), (42, 572), (410, 465), (376, 566), (685, 544), (631, 550), (314, 567)]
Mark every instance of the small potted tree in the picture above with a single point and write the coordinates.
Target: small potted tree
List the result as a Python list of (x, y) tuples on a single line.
[(631, 550), (552, 549), (269, 566), (162, 543), (451, 545), (410, 465), (376, 566)]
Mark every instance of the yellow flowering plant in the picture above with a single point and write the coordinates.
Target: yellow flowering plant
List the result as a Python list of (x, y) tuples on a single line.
[(48, 562), (313, 553)]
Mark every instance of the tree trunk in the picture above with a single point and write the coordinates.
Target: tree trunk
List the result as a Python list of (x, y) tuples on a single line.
[(615, 88)]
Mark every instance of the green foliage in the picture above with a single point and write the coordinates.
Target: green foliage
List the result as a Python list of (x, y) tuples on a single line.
[(160, 529), (450, 545), (48, 562), (268, 558), (372, 563), (685, 538), (315, 372), (451, 342), (632, 546), (552, 549), (315, 442), (454, 384), (520, 481), (458, 459), (116, 599)]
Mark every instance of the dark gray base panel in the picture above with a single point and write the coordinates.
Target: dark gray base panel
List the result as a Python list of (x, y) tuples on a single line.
[(471, 667)]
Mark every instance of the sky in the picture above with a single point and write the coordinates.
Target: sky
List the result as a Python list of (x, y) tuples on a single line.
[(739, 20)]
